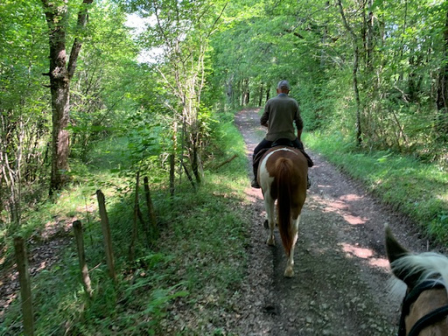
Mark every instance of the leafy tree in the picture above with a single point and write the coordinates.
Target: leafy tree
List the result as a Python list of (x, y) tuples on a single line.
[(106, 77), (373, 70), (181, 30), (61, 73), (99, 94), (24, 117)]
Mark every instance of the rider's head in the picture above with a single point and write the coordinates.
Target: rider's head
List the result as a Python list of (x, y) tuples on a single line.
[(283, 87)]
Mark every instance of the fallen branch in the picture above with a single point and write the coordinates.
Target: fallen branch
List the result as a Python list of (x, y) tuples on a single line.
[(225, 162)]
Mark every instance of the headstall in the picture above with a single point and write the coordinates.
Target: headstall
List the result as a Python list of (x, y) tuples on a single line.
[(427, 320)]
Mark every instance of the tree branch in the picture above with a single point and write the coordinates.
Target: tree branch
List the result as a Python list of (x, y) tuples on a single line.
[(76, 48)]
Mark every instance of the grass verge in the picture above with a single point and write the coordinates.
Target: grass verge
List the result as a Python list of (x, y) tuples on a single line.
[(417, 189), (195, 266)]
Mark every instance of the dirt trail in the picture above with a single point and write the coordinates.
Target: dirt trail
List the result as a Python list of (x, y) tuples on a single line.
[(341, 273)]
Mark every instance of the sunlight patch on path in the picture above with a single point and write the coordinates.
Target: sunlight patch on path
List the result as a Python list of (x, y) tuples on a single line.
[(364, 253), (340, 206), (254, 195)]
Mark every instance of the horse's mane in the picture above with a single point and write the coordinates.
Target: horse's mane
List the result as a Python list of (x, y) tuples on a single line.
[(431, 266)]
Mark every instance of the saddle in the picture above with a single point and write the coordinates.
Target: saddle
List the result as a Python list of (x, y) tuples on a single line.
[(282, 142)]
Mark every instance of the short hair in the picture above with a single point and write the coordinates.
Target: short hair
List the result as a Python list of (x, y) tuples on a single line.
[(283, 84)]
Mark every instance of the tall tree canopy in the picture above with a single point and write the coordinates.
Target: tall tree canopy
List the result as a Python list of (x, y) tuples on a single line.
[(373, 71)]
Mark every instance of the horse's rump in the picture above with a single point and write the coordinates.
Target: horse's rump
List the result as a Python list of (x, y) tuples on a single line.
[(286, 160), (263, 152)]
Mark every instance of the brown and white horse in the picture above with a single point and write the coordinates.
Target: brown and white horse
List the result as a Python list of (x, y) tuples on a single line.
[(282, 175), (425, 306)]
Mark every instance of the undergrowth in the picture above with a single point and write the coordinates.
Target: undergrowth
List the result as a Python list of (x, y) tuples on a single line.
[(198, 260)]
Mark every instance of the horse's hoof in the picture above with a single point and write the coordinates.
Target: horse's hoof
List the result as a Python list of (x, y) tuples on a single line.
[(270, 242), (289, 273)]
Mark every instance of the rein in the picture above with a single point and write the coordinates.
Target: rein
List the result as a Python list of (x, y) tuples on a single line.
[(427, 320)]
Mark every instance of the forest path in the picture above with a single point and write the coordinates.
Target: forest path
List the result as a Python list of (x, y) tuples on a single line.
[(341, 273)]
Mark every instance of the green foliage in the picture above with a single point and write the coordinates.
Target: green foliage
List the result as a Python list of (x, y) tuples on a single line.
[(206, 228), (148, 138), (98, 96), (24, 115), (102, 92), (181, 32), (401, 67)]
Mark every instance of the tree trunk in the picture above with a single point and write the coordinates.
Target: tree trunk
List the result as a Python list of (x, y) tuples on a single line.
[(363, 32), (194, 154), (325, 35), (172, 168), (60, 75), (10, 165), (246, 94), (442, 89), (238, 93), (370, 39), (414, 79), (355, 73), (229, 91)]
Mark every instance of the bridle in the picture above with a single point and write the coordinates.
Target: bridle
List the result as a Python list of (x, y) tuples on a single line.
[(427, 320)]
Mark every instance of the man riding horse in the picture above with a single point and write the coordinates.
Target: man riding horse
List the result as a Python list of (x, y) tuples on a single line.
[(280, 115)]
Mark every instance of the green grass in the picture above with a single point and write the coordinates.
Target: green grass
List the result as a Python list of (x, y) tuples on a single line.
[(197, 263), (417, 189)]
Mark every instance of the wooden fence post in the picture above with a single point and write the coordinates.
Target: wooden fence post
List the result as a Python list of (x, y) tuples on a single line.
[(77, 228), (25, 286), (106, 234)]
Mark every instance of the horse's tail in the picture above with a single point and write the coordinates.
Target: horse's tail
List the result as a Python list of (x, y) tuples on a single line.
[(284, 168)]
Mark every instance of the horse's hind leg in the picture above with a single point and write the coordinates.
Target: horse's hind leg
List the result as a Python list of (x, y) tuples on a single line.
[(269, 206), (289, 271)]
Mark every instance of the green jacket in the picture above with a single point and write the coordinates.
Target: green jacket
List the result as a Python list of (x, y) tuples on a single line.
[(280, 115)]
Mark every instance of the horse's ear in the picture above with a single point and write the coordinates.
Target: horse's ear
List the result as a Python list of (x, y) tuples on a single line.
[(394, 252), (393, 248)]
